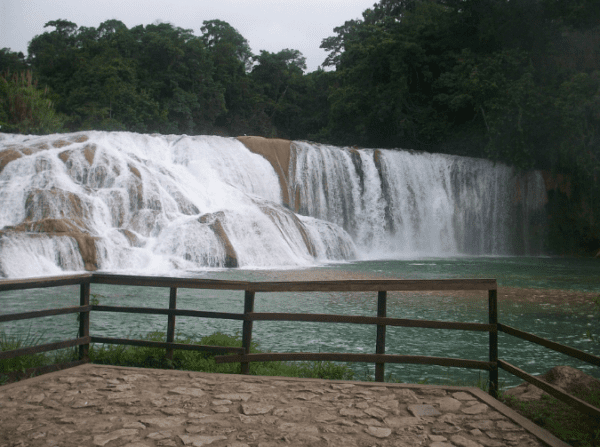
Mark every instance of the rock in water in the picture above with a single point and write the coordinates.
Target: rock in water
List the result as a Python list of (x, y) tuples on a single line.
[(569, 379)]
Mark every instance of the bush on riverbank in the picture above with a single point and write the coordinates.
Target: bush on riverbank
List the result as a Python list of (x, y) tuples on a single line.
[(12, 370), (560, 419), (22, 367), (205, 362)]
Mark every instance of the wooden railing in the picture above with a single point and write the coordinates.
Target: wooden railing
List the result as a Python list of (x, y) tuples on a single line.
[(573, 401), (248, 317)]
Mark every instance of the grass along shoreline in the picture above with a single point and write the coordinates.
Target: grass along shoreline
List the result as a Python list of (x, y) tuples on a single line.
[(22, 367)]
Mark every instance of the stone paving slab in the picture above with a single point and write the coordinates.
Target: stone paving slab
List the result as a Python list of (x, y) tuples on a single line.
[(96, 405)]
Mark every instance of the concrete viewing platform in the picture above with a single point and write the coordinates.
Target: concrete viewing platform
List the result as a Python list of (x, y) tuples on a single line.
[(97, 405)]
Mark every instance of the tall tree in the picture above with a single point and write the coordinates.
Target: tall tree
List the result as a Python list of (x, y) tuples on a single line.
[(231, 56), (279, 78), (11, 61)]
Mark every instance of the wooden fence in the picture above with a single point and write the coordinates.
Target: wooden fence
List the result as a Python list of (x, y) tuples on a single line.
[(248, 317)]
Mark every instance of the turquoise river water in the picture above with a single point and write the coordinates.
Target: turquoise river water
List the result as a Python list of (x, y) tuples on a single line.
[(564, 320)]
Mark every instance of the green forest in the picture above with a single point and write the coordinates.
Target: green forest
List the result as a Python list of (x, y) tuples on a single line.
[(513, 81)]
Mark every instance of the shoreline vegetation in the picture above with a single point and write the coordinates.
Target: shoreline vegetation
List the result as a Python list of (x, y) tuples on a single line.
[(24, 367)]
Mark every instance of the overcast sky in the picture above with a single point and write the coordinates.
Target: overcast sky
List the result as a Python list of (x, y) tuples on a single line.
[(270, 25)]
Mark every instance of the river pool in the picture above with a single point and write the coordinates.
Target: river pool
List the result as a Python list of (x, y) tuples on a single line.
[(550, 297)]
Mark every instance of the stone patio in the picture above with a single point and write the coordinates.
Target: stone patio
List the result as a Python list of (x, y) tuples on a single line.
[(96, 405)]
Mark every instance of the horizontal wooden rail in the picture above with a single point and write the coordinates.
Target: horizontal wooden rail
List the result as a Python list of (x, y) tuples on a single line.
[(249, 316), (298, 286), (164, 345), (354, 319), (349, 357), (48, 281), (178, 312), (158, 281), (44, 348), (573, 401), (576, 353), (44, 313), (375, 285)]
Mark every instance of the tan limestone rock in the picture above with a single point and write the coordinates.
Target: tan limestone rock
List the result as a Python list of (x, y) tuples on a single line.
[(277, 152), (254, 409), (8, 155), (235, 397), (475, 409), (103, 439), (461, 395), (567, 378), (461, 441), (351, 412), (184, 391), (214, 221), (162, 422), (376, 413), (379, 432), (61, 143), (401, 422), (449, 404), (200, 440)]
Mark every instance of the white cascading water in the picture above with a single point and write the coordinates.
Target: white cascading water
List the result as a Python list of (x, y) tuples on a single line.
[(117, 201), (405, 203), (153, 204)]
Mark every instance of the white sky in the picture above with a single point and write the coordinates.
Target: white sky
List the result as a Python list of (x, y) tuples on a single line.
[(270, 25)]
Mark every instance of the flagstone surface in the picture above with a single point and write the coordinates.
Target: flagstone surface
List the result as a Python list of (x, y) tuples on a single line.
[(93, 405)]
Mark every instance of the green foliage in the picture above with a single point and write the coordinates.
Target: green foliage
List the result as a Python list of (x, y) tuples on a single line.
[(589, 334), (226, 43), (107, 97), (201, 361), (24, 108), (23, 363), (560, 419), (9, 343), (155, 358), (11, 61)]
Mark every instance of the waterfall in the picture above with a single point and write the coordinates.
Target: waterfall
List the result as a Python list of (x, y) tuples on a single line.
[(405, 203), (149, 204), (166, 204)]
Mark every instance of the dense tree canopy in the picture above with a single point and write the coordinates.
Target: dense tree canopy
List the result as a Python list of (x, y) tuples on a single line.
[(514, 81)]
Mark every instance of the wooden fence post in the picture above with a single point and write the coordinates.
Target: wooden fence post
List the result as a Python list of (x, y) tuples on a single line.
[(171, 322), (493, 319), (247, 329), (380, 344), (84, 320)]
